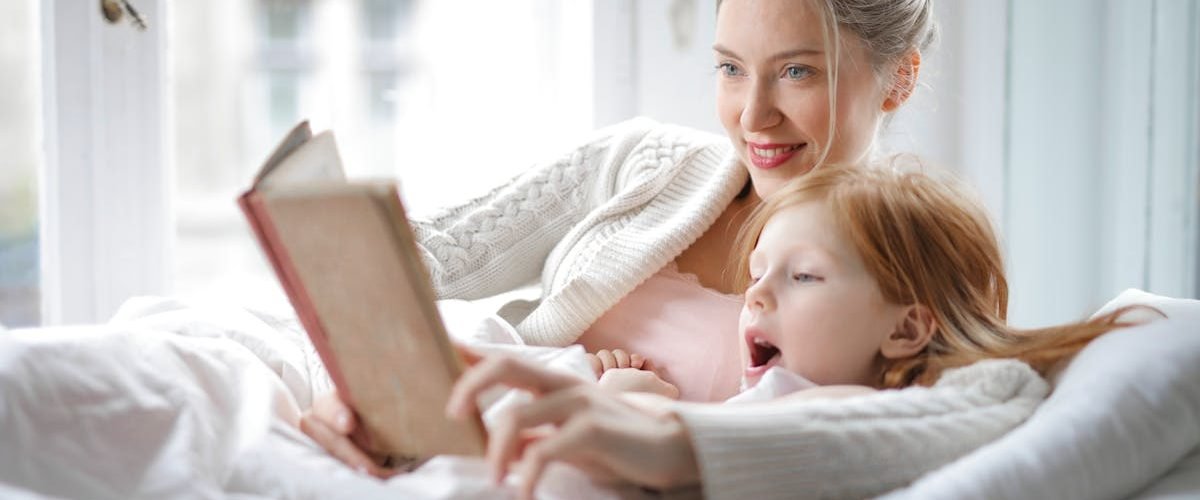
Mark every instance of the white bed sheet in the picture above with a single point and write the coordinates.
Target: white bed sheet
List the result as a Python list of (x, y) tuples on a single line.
[(168, 401)]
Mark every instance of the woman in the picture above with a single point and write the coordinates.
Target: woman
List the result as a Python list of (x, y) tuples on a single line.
[(614, 223)]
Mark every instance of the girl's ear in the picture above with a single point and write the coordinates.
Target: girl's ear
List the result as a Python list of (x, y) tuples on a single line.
[(913, 332), (904, 81)]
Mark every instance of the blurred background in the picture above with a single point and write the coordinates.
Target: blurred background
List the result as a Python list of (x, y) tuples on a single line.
[(123, 150)]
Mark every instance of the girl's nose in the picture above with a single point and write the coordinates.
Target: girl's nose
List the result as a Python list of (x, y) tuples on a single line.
[(760, 112), (759, 297)]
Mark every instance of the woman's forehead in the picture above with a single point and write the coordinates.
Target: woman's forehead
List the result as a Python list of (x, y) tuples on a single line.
[(771, 25)]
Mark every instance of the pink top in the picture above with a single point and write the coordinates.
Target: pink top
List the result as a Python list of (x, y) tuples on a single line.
[(687, 331)]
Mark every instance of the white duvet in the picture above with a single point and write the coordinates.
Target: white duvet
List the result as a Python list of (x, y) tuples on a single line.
[(201, 402), (168, 401)]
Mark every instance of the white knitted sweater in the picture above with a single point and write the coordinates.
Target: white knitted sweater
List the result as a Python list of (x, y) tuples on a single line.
[(594, 224), (861, 446)]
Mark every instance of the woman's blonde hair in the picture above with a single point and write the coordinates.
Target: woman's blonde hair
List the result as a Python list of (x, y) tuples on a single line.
[(926, 241)]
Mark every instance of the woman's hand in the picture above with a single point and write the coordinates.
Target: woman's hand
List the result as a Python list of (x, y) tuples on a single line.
[(579, 423), (334, 425)]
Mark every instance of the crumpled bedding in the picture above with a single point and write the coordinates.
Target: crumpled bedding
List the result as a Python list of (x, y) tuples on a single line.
[(172, 401)]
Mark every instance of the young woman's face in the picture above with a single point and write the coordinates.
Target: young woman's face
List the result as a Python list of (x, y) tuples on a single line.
[(773, 90), (812, 307)]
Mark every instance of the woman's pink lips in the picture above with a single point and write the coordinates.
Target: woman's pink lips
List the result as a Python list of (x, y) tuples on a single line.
[(764, 162)]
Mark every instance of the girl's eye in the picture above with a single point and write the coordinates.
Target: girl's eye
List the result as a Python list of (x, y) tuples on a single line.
[(727, 69), (754, 279), (798, 72), (805, 277)]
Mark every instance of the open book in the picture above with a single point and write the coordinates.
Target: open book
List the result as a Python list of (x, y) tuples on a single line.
[(347, 259)]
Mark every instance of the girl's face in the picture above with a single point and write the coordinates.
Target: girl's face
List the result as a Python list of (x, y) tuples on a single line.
[(773, 90), (812, 307)]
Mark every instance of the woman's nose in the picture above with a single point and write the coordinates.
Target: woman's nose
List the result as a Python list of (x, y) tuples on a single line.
[(760, 111)]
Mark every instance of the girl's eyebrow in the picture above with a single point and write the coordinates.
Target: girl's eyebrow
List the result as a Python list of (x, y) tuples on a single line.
[(787, 54)]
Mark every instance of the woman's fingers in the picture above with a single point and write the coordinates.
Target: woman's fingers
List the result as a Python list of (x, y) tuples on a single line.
[(339, 445), (507, 435), (336, 414), (469, 357), (566, 445), (498, 370)]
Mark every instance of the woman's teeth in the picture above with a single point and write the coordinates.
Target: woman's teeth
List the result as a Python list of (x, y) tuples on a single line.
[(770, 153)]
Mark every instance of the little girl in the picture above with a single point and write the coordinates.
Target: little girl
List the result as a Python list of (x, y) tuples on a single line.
[(855, 280), (872, 278)]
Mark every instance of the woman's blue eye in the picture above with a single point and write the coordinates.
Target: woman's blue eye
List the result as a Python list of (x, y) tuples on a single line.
[(798, 72), (727, 69)]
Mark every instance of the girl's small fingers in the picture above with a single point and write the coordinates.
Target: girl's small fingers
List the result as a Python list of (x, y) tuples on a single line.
[(636, 361), (597, 366), (622, 358), (607, 359)]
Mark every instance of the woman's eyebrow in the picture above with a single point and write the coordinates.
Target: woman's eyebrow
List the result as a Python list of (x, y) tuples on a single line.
[(787, 54)]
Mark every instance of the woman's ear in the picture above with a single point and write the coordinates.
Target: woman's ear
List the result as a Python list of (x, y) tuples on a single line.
[(904, 81), (912, 333)]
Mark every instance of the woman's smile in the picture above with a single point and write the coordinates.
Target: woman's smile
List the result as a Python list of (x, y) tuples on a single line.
[(771, 155)]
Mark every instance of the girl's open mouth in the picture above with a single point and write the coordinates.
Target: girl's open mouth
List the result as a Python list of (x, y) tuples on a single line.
[(763, 355)]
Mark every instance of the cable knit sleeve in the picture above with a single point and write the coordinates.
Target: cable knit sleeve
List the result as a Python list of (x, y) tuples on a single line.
[(857, 447), (500, 241)]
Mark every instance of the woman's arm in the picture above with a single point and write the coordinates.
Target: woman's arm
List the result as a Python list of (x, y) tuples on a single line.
[(500, 241), (856, 447), (801, 447)]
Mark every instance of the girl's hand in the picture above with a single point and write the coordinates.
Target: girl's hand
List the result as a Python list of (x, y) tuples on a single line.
[(634, 380), (575, 422), (605, 360)]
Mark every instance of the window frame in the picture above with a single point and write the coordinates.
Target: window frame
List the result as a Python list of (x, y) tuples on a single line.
[(105, 186)]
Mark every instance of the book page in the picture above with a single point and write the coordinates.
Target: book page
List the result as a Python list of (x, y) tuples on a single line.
[(316, 160)]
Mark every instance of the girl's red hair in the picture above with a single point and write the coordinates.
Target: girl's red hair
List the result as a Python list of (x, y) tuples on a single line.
[(926, 241)]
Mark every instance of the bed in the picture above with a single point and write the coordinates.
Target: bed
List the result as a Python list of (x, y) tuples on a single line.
[(174, 400)]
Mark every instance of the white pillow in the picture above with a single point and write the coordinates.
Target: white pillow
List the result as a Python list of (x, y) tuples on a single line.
[(1123, 413)]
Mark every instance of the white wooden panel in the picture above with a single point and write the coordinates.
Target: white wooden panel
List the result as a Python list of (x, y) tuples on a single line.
[(105, 188)]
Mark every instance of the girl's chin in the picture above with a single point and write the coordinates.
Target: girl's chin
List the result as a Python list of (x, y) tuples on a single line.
[(748, 383)]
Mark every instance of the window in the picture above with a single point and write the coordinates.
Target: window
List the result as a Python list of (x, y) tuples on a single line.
[(401, 83), (19, 139)]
